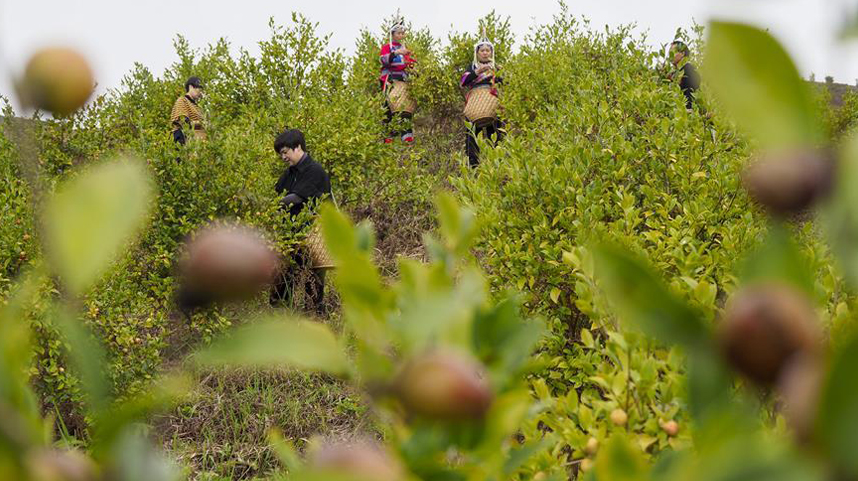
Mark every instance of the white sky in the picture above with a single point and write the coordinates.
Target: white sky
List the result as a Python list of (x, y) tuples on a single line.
[(116, 33)]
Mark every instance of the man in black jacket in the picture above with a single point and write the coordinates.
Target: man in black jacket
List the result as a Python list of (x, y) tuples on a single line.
[(689, 81), (304, 181)]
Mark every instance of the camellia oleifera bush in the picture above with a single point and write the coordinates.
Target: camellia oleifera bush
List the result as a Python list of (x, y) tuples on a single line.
[(231, 176), (603, 149)]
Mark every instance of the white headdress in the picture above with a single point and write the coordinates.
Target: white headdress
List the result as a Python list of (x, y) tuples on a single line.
[(483, 41), (398, 23)]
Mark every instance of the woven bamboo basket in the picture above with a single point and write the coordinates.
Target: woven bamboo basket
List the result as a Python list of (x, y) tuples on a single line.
[(320, 257), (399, 98), (481, 105)]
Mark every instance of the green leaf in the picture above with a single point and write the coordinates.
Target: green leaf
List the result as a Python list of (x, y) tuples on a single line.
[(759, 85), (458, 226), (91, 218), (503, 341), (779, 259), (17, 399), (619, 460), (642, 299), (357, 277), (88, 357), (300, 344), (837, 428), (709, 385), (160, 394), (841, 214)]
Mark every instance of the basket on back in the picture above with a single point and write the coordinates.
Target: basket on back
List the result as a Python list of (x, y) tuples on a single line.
[(481, 105), (320, 257), (399, 97)]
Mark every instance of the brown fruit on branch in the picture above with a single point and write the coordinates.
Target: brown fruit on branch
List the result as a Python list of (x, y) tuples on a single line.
[(586, 465), (60, 465), (444, 385), (789, 183), (670, 427), (764, 327), (56, 79), (226, 264), (362, 461), (619, 417)]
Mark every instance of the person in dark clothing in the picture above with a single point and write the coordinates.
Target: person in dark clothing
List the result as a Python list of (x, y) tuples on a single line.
[(482, 74), (689, 81), (187, 112), (304, 181)]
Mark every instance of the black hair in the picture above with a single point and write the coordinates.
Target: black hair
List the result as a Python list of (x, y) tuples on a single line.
[(680, 46), (193, 81), (290, 138)]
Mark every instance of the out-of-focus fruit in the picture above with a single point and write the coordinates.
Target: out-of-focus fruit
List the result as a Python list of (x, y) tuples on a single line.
[(226, 264), (363, 461), (56, 79), (59, 465), (799, 387), (586, 465), (670, 427), (592, 446), (764, 326), (619, 417), (444, 385), (788, 183)]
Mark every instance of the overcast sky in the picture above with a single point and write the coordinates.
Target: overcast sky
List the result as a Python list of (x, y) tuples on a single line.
[(116, 33)]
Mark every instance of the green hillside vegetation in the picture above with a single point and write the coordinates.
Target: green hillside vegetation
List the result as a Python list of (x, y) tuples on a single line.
[(600, 149)]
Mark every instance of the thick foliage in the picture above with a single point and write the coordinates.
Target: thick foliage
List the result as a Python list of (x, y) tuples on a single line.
[(231, 176), (603, 149)]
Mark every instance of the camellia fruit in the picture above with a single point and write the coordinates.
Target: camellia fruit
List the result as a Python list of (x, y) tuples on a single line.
[(799, 388), (789, 183), (763, 327), (671, 428), (363, 460), (444, 385), (226, 264), (56, 79), (60, 465), (592, 446), (619, 417)]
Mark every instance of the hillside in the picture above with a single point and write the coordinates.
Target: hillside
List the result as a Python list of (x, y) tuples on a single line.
[(601, 150)]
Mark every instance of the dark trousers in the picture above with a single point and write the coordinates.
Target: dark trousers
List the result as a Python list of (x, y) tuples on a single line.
[(299, 277), (399, 123), (490, 130)]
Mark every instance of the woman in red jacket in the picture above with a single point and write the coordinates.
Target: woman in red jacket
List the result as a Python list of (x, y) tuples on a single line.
[(396, 61)]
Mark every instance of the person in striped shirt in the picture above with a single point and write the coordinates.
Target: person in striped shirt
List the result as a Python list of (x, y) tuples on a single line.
[(396, 61), (186, 112)]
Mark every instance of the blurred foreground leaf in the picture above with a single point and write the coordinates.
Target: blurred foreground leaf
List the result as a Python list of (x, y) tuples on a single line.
[(841, 214), (837, 428), (91, 218), (779, 259), (758, 83), (642, 299), (619, 460), (268, 343)]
